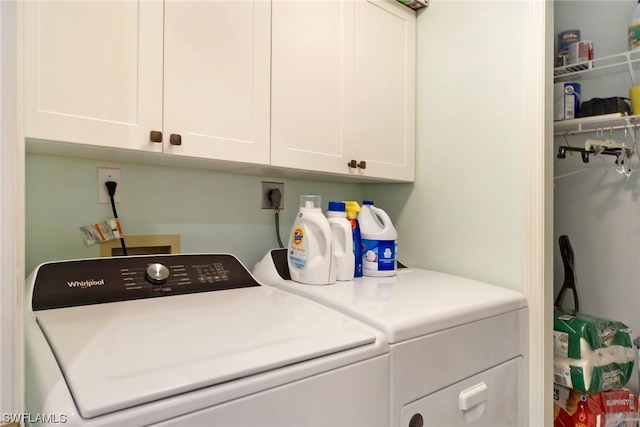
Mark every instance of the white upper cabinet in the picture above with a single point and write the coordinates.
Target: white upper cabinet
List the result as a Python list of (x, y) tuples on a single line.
[(308, 85), (93, 72), (108, 73), (343, 83)]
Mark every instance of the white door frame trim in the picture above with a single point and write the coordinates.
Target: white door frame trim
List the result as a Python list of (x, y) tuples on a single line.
[(538, 286), (12, 218)]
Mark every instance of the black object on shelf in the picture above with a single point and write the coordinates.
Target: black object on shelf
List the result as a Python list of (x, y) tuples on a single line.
[(600, 106)]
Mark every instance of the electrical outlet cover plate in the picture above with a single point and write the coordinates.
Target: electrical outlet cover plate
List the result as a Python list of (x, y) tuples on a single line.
[(266, 186), (104, 175)]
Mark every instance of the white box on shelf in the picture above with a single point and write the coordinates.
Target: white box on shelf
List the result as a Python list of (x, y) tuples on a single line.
[(566, 96)]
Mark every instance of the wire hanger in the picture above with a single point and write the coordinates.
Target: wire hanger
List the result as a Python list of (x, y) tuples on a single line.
[(624, 159), (597, 147), (601, 145)]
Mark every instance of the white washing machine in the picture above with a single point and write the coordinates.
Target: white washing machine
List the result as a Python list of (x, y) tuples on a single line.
[(175, 340), (458, 346)]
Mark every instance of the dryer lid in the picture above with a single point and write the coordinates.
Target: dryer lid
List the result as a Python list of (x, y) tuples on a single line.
[(118, 355)]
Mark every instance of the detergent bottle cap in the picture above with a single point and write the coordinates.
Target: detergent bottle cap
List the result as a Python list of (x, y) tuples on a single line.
[(336, 206), (309, 202), (352, 209), (370, 202)]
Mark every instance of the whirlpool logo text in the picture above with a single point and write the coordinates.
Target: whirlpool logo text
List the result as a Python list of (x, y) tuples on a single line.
[(83, 284)]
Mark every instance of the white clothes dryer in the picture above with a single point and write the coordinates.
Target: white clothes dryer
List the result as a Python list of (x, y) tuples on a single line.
[(458, 346), (175, 340)]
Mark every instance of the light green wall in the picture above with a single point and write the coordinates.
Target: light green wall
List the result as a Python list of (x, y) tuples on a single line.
[(212, 211), (465, 213)]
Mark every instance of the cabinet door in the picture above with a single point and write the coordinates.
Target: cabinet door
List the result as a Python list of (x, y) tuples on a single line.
[(385, 33), (93, 72), (312, 84), (217, 79), (343, 81)]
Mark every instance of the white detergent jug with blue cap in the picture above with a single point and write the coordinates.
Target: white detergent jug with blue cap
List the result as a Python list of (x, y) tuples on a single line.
[(379, 241), (342, 240), (310, 255)]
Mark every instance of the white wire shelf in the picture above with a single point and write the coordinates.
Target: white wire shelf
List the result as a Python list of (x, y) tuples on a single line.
[(619, 63), (604, 123)]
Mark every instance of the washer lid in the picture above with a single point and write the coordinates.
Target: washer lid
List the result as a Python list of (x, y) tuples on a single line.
[(413, 303), (117, 355)]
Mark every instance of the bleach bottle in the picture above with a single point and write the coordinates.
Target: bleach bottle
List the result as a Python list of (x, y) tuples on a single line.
[(379, 241), (342, 241), (310, 252), (352, 215)]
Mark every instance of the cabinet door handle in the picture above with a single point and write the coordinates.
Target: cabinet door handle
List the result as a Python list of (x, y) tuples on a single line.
[(352, 164), (362, 164), (155, 136), (175, 139)]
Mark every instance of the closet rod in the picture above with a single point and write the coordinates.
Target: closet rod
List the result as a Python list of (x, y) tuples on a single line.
[(629, 126)]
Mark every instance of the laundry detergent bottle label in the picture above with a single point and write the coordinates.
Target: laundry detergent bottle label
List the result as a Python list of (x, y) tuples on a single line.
[(379, 255), (298, 251)]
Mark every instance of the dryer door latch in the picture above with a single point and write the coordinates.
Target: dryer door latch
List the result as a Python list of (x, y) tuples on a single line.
[(473, 396)]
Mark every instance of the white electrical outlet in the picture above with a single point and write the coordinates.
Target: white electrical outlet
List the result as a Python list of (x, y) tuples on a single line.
[(104, 175)]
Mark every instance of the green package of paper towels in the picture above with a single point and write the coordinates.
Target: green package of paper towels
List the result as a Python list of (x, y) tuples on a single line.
[(591, 354)]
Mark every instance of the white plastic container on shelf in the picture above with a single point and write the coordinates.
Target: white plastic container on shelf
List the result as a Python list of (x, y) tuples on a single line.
[(310, 252), (342, 241), (379, 241), (633, 32)]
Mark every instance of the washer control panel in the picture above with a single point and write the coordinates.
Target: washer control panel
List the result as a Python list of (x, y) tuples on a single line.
[(102, 280)]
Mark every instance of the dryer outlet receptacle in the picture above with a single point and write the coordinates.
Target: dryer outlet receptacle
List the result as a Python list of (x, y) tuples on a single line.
[(267, 192)]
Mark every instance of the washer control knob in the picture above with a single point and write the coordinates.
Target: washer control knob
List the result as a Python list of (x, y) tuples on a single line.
[(157, 273)]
